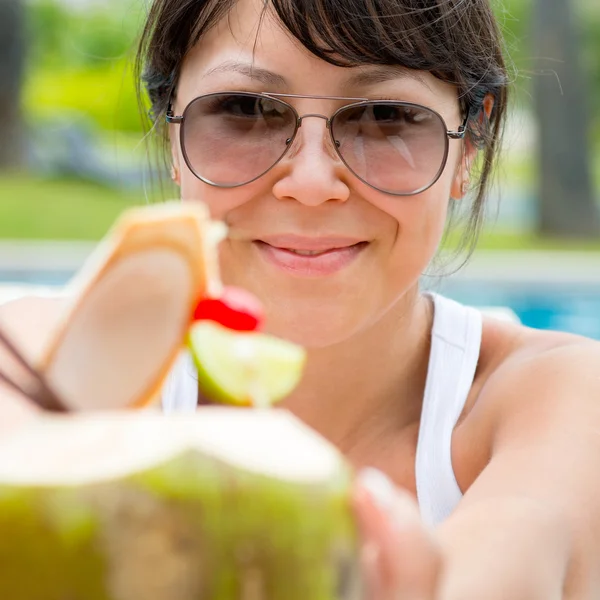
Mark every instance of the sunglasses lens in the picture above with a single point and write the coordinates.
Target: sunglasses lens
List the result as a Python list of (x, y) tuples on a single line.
[(397, 148), (231, 139)]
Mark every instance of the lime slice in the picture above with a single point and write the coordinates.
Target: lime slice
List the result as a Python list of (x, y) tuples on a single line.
[(244, 368)]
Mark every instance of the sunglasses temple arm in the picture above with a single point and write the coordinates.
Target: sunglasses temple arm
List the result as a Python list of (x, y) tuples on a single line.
[(41, 393)]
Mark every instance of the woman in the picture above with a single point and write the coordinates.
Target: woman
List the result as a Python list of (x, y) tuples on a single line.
[(333, 137)]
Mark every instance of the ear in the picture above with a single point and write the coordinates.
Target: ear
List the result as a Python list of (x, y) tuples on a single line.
[(462, 178)]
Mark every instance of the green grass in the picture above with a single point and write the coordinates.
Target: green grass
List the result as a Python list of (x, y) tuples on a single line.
[(33, 208), (58, 209)]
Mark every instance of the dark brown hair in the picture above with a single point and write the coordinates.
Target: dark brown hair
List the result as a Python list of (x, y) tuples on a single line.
[(458, 41)]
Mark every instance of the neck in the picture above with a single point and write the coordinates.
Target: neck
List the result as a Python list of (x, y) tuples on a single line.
[(371, 384)]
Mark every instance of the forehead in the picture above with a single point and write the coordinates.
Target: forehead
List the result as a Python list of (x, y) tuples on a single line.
[(251, 35), (251, 43)]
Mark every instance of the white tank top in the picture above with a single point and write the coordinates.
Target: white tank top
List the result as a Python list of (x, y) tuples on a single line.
[(455, 345)]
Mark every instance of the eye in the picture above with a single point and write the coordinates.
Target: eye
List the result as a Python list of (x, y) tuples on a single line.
[(390, 113), (272, 108), (386, 112), (241, 106), (252, 107)]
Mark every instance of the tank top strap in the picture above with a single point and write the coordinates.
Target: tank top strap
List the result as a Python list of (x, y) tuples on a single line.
[(454, 354), (180, 391)]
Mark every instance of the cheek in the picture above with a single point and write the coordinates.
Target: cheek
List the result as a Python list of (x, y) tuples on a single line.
[(420, 219), (220, 201), (428, 213)]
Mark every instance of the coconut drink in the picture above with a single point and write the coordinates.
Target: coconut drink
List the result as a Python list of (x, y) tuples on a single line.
[(106, 498)]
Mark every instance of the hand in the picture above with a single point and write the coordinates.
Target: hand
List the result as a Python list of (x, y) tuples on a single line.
[(401, 558)]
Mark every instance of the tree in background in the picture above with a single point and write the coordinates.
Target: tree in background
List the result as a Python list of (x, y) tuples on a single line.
[(566, 190), (12, 59)]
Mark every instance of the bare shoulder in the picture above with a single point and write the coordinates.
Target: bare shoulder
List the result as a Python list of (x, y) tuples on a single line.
[(511, 353), (528, 372), (522, 375)]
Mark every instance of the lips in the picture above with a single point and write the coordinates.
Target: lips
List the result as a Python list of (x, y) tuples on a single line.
[(306, 252), (310, 257), (317, 243)]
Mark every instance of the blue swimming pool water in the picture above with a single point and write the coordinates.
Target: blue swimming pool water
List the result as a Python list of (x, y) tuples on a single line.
[(575, 309), (32, 277), (556, 306)]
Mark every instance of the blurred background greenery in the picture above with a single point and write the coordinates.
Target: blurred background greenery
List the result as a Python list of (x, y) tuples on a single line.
[(78, 156)]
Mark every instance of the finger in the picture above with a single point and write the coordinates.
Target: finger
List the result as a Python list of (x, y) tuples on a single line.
[(402, 558), (379, 578)]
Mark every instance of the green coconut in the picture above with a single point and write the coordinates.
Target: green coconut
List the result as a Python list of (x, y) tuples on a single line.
[(226, 504)]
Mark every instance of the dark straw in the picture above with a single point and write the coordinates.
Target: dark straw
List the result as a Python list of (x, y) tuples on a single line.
[(39, 391)]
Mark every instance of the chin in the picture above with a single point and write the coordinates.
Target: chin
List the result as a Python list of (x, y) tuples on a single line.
[(317, 328), (312, 313)]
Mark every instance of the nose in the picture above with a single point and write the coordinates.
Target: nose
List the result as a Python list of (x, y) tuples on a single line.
[(311, 171)]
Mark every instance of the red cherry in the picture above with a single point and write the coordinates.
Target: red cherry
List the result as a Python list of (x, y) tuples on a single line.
[(235, 309)]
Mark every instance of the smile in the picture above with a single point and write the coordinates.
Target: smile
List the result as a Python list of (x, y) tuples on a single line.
[(306, 257)]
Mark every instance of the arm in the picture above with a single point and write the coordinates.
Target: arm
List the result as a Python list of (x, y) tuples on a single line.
[(529, 527)]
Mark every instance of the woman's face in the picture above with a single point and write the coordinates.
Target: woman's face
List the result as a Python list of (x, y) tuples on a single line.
[(371, 247)]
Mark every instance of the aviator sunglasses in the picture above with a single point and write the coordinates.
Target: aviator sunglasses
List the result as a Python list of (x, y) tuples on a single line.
[(229, 139)]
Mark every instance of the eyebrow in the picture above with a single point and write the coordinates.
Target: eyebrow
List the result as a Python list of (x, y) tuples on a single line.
[(366, 76), (262, 75), (375, 74)]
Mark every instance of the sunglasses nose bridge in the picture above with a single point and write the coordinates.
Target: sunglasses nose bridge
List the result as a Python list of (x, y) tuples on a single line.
[(334, 151), (316, 116)]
